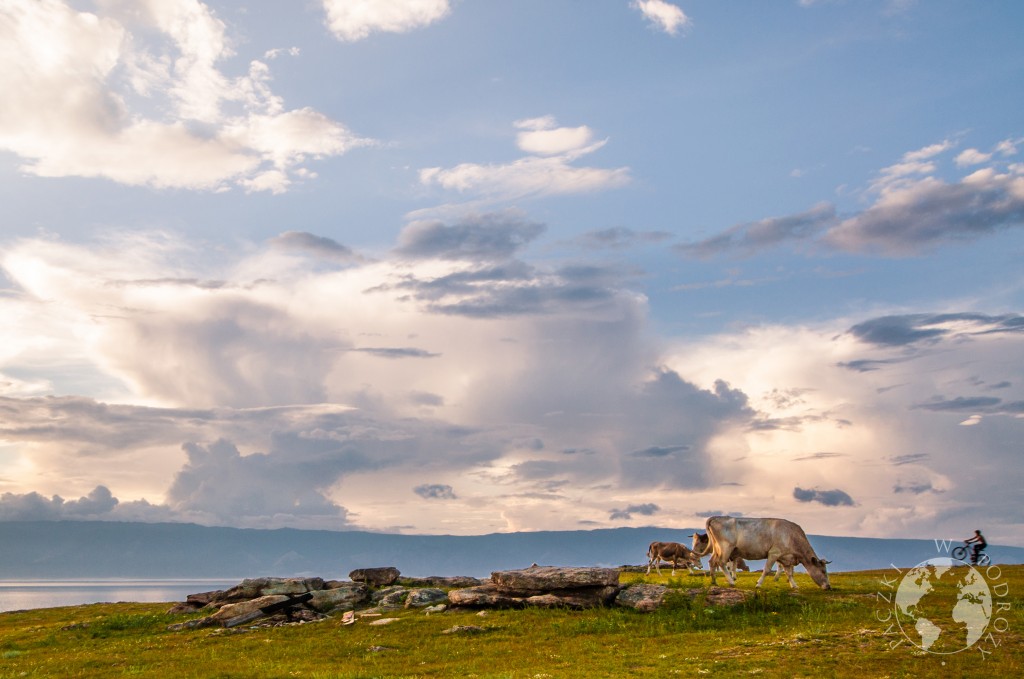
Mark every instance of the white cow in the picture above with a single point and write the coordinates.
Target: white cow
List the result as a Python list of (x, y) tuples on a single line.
[(775, 540), (671, 551)]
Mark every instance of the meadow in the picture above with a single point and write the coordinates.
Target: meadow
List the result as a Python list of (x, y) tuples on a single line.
[(849, 631)]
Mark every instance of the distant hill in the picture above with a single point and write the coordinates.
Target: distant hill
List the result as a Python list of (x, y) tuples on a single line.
[(99, 549)]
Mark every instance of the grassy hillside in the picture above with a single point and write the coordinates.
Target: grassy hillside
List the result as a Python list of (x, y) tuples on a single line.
[(812, 633)]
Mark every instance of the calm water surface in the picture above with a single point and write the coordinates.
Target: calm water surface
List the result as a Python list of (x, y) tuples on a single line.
[(16, 595)]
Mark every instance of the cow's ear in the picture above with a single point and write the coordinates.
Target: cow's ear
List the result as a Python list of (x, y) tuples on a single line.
[(815, 561)]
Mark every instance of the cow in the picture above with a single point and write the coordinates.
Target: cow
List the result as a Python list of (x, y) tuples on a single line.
[(775, 540), (671, 551), (700, 547)]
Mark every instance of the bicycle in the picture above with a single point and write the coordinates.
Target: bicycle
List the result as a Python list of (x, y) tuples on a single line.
[(962, 553)]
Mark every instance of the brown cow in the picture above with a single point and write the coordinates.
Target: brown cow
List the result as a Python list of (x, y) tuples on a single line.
[(671, 551), (775, 540)]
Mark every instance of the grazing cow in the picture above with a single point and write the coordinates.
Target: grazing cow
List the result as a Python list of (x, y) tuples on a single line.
[(775, 540), (671, 551), (700, 547)]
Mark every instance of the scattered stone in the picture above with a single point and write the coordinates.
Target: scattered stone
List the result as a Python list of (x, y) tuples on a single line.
[(642, 597), (376, 577), (721, 596), (384, 621), (464, 629), (440, 608), (379, 649)]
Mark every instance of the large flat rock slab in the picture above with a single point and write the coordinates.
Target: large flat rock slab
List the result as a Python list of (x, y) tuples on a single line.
[(541, 579)]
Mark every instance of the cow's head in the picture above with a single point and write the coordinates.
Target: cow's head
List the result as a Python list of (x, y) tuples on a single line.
[(700, 543), (817, 569)]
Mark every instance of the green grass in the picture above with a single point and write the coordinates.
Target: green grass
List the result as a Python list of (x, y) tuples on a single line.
[(812, 633)]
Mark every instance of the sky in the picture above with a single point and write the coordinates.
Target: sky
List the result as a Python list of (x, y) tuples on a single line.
[(476, 266)]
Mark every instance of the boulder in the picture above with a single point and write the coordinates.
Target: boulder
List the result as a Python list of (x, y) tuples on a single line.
[(376, 577), (642, 597), (345, 597), (252, 588), (484, 596), (721, 596), (229, 611), (544, 579), (589, 597), (425, 596), (390, 597)]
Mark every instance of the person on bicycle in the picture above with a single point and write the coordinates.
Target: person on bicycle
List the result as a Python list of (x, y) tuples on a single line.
[(979, 544)]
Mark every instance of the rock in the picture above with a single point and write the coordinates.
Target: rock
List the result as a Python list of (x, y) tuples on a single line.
[(443, 582), (384, 621), (376, 577), (342, 598), (229, 611), (426, 596), (252, 588), (589, 597), (204, 598), (642, 597), (484, 596), (542, 579), (464, 629), (722, 596), (440, 608), (186, 607), (390, 597)]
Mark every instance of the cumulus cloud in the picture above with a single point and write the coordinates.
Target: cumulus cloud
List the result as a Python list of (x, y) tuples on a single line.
[(547, 171), (81, 91), (829, 498), (352, 20), (663, 15)]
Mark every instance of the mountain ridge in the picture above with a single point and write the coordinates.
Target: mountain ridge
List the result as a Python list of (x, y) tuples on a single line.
[(102, 549)]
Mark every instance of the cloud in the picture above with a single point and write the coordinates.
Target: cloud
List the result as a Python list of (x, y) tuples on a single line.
[(914, 211), (547, 171), (663, 15), (487, 236), (829, 498), (435, 491), (352, 20), (645, 509), (659, 451), (619, 238), (910, 329), (318, 246), (755, 236), (81, 91)]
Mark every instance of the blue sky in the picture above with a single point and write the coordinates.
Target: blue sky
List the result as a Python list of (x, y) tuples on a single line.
[(464, 267)]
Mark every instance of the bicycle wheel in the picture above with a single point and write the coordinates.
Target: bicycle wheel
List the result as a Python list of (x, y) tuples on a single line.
[(984, 560), (959, 553)]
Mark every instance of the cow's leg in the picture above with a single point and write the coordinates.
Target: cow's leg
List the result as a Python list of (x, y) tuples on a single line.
[(767, 569), (725, 567), (789, 574)]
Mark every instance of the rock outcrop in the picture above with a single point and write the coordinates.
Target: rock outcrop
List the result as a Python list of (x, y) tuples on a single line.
[(304, 599)]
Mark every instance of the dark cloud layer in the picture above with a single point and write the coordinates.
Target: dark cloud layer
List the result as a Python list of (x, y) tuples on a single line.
[(910, 329), (646, 509), (754, 236), (829, 498), (484, 237), (435, 491)]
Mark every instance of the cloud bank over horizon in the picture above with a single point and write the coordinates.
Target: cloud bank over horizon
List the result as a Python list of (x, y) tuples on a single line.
[(457, 268)]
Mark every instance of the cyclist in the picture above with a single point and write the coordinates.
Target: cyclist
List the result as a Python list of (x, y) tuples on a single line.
[(979, 544)]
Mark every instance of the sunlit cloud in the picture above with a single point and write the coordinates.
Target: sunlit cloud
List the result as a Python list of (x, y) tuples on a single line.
[(352, 20), (135, 94)]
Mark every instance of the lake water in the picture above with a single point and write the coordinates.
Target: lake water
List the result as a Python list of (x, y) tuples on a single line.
[(16, 595)]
